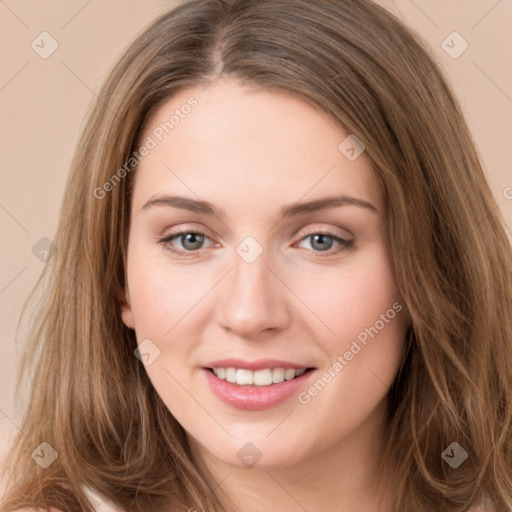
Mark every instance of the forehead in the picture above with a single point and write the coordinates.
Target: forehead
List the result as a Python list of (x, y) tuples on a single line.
[(255, 142)]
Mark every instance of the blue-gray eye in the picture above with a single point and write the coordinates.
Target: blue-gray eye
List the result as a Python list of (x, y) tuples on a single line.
[(323, 243)]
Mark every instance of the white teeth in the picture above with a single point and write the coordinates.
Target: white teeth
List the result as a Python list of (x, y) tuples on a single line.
[(230, 374), (278, 375), (244, 377), (265, 377), (289, 374)]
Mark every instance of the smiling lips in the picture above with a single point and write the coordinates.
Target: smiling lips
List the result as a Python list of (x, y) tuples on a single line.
[(254, 385)]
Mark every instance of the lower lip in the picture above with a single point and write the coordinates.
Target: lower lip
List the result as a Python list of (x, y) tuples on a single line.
[(254, 398)]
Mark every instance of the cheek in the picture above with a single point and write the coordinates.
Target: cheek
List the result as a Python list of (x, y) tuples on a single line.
[(364, 309), (162, 294), (353, 298), (162, 302)]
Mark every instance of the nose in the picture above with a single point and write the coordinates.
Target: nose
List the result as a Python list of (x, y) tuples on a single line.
[(256, 300)]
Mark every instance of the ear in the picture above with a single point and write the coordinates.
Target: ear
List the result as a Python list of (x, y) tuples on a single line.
[(126, 310)]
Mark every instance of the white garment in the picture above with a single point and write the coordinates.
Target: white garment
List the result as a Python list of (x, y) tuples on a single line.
[(99, 502)]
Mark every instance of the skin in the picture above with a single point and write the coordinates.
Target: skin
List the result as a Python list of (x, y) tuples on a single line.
[(250, 152)]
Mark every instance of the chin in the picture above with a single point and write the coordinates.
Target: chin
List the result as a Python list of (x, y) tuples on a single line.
[(259, 451)]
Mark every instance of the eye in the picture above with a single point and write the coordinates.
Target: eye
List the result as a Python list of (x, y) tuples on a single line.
[(191, 242), (322, 242)]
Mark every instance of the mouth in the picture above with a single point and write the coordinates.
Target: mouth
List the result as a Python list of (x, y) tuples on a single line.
[(256, 390), (259, 378), (256, 384)]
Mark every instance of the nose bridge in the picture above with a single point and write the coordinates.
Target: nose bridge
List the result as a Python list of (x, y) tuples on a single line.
[(253, 298), (251, 268), (250, 278)]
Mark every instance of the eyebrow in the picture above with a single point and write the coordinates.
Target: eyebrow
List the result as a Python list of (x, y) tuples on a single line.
[(292, 210)]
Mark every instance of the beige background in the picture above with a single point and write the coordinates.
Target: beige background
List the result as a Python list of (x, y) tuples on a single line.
[(43, 102)]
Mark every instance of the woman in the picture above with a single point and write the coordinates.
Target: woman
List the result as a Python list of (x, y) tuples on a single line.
[(282, 281)]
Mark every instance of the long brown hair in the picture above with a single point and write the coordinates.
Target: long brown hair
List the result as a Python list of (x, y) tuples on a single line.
[(90, 397)]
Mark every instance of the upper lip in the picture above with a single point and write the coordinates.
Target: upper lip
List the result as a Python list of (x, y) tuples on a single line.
[(259, 364)]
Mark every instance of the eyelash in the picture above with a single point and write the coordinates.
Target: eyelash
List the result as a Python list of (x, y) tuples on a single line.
[(345, 245)]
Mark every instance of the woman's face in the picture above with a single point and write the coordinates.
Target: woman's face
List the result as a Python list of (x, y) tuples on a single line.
[(259, 272)]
